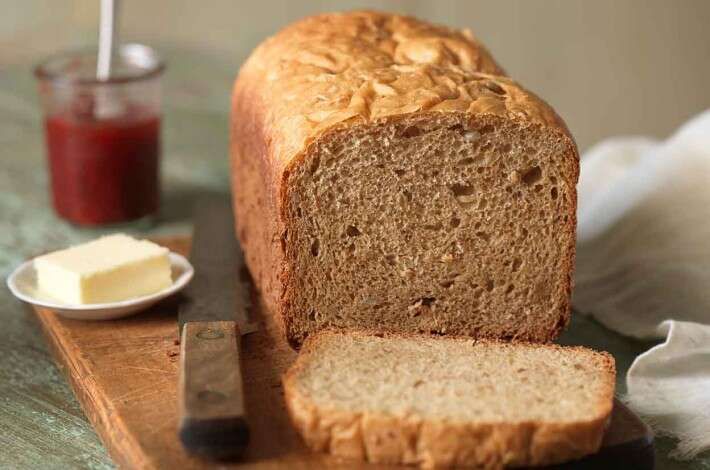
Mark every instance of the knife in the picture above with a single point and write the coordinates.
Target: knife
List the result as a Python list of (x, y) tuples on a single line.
[(213, 315)]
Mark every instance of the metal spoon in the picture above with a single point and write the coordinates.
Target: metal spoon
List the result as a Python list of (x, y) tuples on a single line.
[(108, 38), (107, 104)]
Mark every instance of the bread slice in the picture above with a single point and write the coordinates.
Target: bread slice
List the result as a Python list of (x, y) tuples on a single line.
[(387, 177), (449, 401)]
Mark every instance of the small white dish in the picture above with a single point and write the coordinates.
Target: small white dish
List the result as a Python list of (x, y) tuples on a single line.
[(23, 284)]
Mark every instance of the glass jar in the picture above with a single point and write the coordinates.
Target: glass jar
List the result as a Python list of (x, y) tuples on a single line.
[(103, 137)]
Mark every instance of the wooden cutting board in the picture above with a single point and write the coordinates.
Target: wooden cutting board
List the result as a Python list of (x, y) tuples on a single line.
[(124, 373)]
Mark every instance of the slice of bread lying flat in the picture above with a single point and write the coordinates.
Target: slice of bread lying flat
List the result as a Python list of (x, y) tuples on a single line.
[(449, 401)]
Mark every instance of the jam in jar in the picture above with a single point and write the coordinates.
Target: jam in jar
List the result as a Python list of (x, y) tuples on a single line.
[(103, 137)]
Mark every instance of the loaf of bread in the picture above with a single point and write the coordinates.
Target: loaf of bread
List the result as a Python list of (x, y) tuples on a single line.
[(441, 402), (387, 176)]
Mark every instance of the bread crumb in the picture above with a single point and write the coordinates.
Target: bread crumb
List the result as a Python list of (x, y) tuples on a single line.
[(471, 136)]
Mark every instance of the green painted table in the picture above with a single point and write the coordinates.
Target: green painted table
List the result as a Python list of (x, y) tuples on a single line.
[(42, 425)]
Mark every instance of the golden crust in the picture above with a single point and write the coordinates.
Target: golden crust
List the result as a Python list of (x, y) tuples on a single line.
[(380, 438), (362, 67)]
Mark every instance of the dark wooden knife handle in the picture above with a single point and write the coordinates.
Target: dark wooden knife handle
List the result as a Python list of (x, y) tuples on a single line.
[(211, 399)]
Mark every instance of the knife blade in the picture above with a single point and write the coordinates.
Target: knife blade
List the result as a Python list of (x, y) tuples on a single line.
[(213, 314)]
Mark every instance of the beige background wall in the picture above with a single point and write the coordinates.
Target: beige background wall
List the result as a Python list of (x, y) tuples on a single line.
[(609, 67)]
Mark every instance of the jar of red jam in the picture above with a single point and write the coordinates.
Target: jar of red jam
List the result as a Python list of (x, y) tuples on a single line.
[(103, 136)]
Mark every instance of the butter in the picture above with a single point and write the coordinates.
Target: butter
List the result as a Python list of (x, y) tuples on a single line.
[(112, 268)]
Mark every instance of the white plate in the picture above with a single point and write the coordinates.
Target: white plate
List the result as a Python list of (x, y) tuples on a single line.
[(23, 284)]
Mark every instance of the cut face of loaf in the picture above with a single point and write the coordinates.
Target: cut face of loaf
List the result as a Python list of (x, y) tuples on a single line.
[(383, 179), (449, 402), (435, 223)]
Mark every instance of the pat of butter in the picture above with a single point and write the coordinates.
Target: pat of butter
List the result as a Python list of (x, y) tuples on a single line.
[(112, 268)]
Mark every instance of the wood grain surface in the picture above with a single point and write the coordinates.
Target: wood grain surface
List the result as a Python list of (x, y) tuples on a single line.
[(125, 374)]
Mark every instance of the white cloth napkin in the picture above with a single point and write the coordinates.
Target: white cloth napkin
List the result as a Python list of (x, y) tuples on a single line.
[(643, 269)]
